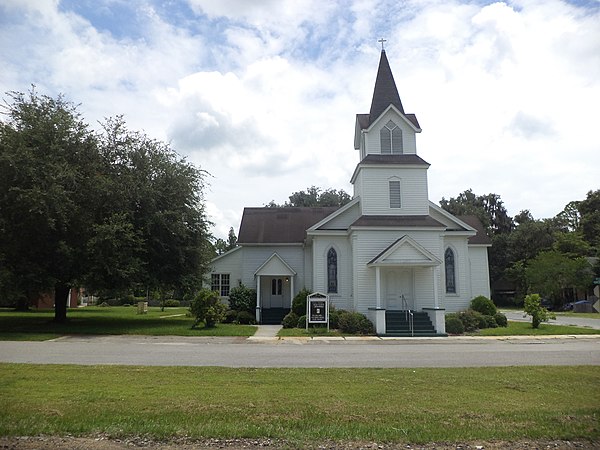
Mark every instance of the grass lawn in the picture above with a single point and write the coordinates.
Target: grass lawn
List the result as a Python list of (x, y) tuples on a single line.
[(38, 325), (312, 331), (302, 405), (524, 328)]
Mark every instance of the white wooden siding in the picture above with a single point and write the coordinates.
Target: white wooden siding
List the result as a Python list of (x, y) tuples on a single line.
[(480, 272), (254, 257), (375, 190), (231, 264), (463, 296), (344, 220), (369, 243), (321, 245)]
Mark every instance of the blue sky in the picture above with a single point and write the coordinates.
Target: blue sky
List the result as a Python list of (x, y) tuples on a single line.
[(263, 94)]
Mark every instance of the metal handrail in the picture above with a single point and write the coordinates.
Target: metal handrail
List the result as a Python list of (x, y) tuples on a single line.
[(409, 316)]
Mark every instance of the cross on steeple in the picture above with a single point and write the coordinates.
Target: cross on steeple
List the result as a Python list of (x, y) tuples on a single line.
[(382, 40)]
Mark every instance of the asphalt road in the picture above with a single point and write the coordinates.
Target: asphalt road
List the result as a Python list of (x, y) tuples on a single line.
[(242, 352)]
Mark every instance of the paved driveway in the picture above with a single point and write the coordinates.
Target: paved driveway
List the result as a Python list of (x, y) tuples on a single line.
[(560, 320), (242, 352)]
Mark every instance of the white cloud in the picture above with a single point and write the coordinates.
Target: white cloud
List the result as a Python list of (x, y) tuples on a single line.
[(263, 94)]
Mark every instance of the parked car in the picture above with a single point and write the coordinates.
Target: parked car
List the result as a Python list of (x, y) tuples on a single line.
[(548, 304)]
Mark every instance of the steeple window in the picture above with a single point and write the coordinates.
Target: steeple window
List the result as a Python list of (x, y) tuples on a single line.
[(395, 194), (391, 139)]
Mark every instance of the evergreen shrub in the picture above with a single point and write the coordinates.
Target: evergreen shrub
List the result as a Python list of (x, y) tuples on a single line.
[(301, 322), (454, 325), (290, 320), (299, 302), (490, 321), (242, 298), (245, 318), (483, 305), (470, 320), (355, 323), (230, 316), (501, 320), (208, 308), (172, 303)]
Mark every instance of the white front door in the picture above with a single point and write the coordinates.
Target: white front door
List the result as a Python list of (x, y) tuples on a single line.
[(276, 293), (398, 283)]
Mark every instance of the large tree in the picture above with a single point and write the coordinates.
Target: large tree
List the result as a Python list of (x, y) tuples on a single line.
[(111, 210), (315, 196), (48, 168)]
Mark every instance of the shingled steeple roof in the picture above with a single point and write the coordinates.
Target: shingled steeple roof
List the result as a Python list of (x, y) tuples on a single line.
[(385, 92)]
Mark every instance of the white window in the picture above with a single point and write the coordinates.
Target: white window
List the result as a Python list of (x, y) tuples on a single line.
[(391, 139), (395, 197), (220, 283)]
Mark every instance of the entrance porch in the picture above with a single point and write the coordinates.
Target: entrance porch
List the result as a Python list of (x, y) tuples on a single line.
[(407, 297), (274, 290)]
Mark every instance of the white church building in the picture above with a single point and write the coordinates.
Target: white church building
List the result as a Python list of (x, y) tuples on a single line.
[(390, 253)]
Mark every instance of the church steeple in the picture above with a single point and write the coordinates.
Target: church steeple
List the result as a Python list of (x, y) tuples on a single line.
[(385, 92)]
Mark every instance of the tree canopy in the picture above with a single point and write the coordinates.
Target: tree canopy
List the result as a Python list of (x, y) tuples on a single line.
[(109, 210), (315, 196)]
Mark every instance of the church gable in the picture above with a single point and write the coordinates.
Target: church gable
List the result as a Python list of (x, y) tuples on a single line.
[(340, 219), (405, 252), (275, 265)]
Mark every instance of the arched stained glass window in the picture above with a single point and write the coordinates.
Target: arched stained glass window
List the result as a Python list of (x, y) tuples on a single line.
[(391, 139), (332, 285), (450, 264)]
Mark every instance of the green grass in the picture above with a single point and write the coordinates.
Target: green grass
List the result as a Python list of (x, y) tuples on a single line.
[(525, 329), (38, 325), (302, 405)]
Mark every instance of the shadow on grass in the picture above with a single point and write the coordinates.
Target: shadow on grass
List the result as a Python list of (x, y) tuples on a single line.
[(112, 320)]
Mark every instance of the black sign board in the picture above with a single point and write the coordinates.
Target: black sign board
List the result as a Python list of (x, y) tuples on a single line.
[(317, 306)]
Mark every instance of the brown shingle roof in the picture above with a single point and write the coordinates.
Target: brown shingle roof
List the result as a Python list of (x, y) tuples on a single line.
[(410, 159), (279, 225), (397, 221), (481, 238)]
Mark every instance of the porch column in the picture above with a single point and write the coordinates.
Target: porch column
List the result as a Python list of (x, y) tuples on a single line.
[(378, 286), (258, 299), (291, 290), (435, 270)]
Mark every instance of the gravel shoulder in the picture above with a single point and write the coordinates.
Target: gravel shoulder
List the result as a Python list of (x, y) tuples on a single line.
[(103, 443)]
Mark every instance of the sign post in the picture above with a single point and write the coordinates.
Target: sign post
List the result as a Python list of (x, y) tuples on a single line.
[(317, 309)]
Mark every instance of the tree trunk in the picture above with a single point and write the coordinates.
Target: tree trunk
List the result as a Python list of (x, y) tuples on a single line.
[(61, 294)]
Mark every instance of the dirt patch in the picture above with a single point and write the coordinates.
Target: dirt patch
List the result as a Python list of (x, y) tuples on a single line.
[(104, 443)]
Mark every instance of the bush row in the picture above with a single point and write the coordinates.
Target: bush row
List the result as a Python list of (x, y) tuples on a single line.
[(481, 314), (349, 322)]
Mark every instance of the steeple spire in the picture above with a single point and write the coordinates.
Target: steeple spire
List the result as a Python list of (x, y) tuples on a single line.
[(385, 92)]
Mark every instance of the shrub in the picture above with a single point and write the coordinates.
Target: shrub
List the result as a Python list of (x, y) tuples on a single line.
[(245, 318), (290, 320), (469, 319), (172, 303), (299, 302), (208, 308), (334, 316), (501, 320), (490, 321), (104, 305), (230, 316), (242, 298), (533, 307), (483, 305), (301, 322), (454, 325), (355, 323)]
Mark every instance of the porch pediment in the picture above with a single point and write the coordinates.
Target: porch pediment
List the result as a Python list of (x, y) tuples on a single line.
[(405, 252), (275, 265)]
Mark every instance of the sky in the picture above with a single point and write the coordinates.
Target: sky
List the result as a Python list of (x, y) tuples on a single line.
[(263, 94)]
